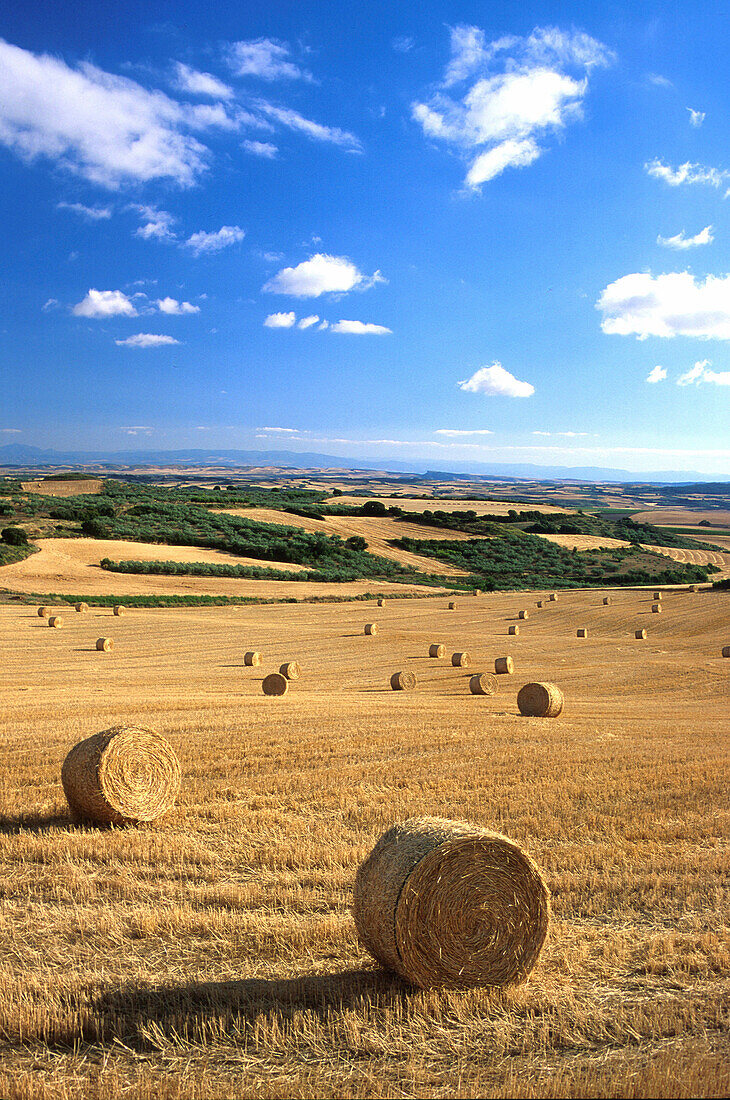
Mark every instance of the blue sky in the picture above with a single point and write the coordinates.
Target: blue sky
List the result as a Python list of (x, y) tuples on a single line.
[(510, 223)]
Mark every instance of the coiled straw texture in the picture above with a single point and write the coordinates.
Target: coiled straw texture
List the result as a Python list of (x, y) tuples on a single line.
[(481, 683), (291, 669), (540, 700), (122, 775), (436, 650), (275, 684), (403, 681), (447, 904)]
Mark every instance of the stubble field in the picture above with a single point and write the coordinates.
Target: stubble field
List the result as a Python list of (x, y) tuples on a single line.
[(214, 955)]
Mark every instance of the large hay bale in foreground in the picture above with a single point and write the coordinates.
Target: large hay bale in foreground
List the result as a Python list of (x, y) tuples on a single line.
[(726, 651), (44, 612), (104, 645), (482, 683), (119, 609), (447, 904), (371, 628), (55, 621), (403, 681), (504, 666), (581, 632), (81, 607), (524, 615), (436, 650), (122, 775), (252, 658), (540, 700), (514, 629), (291, 669), (460, 660), (639, 633), (275, 684), (656, 609)]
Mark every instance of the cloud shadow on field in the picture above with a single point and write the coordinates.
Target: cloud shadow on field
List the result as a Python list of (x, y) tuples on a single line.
[(234, 1003)]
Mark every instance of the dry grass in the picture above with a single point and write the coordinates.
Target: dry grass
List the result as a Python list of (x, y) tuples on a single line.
[(215, 955), (696, 557)]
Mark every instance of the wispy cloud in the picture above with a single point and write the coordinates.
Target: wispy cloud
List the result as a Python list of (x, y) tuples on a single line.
[(563, 435), (292, 120), (156, 224), (307, 322), (280, 320), (463, 431), (197, 83), (265, 58), (101, 304), (679, 241), (260, 149), (203, 242), (146, 340), (321, 274), (91, 213), (495, 381), (686, 173), (700, 373), (281, 431), (501, 117), (656, 374), (696, 118), (403, 43), (670, 305)]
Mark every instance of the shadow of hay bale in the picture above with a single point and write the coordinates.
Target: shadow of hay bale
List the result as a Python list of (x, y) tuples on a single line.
[(12, 824)]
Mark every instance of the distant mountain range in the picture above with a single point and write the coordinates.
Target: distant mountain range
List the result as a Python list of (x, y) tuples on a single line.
[(20, 455)]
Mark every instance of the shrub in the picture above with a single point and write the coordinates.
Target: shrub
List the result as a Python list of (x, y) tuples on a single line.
[(14, 536)]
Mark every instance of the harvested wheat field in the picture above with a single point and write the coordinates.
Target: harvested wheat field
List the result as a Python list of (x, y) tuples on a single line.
[(586, 542), (213, 953), (696, 557), (448, 504), (72, 566)]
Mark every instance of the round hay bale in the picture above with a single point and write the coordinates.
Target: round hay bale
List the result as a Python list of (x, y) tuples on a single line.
[(381, 602), (104, 645), (581, 632), (447, 904), (44, 612), (477, 592), (481, 683), (514, 630), (504, 665), (275, 684), (436, 650), (252, 658), (460, 660), (553, 597), (693, 588), (122, 775), (291, 669), (524, 615), (539, 603), (726, 651), (55, 620), (371, 628), (606, 601), (119, 609), (657, 596), (656, 609), (452, 606), (540, 700), (639, 633), (81, 607), (403, 681)]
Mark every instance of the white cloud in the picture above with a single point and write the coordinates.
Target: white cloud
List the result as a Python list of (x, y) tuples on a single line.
[(357, 328), (172, 306), (106, 128), (659, 81), (403, 43), (196, 83), (93, 213), (696, 118), (261, 149), (213, 242), (656, 374), (679, 241), (267, 58), (459, 431), (686, 173), (307, 322), (280, 320), (667, 305), (105, 303), (52, 303), (156, 224), (283, 431), (495, 381), (285, 116), (321, 274), (564, 435), (12, 431), (146, 340), (500, 117), (699, 373), (323, 326)]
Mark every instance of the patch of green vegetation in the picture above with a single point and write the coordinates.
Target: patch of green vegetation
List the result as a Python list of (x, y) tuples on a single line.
[(405, 575), (10, 554), (201, 601), (520, 561)]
